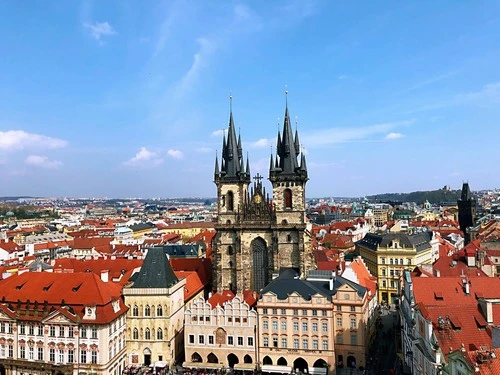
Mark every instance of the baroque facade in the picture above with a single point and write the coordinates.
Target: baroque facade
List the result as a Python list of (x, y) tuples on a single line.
[(256, 236)]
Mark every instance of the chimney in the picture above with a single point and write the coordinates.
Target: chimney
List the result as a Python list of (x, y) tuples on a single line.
[(105, 275)]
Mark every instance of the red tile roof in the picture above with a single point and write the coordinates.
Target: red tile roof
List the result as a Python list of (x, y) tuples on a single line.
[(218, 299), (193, 283)]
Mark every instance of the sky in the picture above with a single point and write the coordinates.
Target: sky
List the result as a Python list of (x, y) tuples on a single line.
[(130, 98)]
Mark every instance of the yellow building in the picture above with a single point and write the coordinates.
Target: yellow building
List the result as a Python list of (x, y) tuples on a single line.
[(156, 312), (388, 255)]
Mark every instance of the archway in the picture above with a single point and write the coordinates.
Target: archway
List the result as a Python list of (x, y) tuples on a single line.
[(195, 357), (260, 264), (282, 362), (351, 361), (2, 370), (320, 363), (147, 356), (212, 358), (247, 359), (340, 361), (267, 360), (301, 365), (232, 360)]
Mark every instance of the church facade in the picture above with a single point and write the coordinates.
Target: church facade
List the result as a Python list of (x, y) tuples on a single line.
[(256, 234)]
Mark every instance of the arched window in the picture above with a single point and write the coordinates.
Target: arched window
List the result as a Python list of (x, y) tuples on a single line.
[(159, 334), (287, 197), (135, 334), (147, 334), (147, 311), (229, 250), (135, 311), (159, 311), (230, 201)]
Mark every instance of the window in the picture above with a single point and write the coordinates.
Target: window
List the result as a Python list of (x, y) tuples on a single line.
[(22, 352), (315, 327), (31, 330), (353, 308), (283, 325), (408, 261), (147, 334), (2, 327), (52, 331), (325, 345), (201, 339), (83, 333), (383, 272), (304, 312), (61, 331), (283, 342), (11, 351), (384, 284), (52, 355), (264, 311), (94, 357), (22, 329), (275, 311), (295, 312), (31, 353), (324, 327), (159, 311), (2, 351), (295, 343), (275, 325), (135, 334), (324, 312), (296, 326), (159, 334), (40, 354), (401, 261), (283, 312), (266, 342), (383, 260), (275, 342), (135, 311), (287, 198), (147, 310), (315, 344), (353, 323), (61, 356), (315, 312), (340, 338), (240, 340), (11, 327), (265, 325), (210, 339), (305, 344), (354, 339), (191, 339), (339, 321), (94, 332), (71, 355), (391, 272), (304, 326), (250, 341), (230, 201), (83, 356), (392, 284), (391, 261), (339, 308), (230, 340), (70, 332)]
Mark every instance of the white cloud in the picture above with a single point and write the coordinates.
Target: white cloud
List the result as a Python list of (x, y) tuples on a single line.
[(176, 154), (218, 133), (99, 29), (42, 162), (326, 137), (261, 143), (489, 93), (144, 158), (19, 139), (394, 136)]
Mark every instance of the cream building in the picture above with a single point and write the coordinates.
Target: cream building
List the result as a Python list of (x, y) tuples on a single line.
[(219, 333), (156, 312)]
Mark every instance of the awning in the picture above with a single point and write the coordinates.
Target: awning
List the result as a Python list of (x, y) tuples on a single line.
[(317, 370), (276, 368), (159, 364), (244, 366), (211, 366)]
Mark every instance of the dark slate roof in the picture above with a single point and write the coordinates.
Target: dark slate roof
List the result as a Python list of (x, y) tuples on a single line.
[(288, 282), (44, 266), (419, 241), (156, 271), (142, 226), (180, 251)]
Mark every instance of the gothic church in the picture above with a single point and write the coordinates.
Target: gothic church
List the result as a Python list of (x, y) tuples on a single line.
[(257, 235)]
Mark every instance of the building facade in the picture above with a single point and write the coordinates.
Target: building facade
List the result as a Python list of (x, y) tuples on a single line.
[(256, 236), (61, 324)]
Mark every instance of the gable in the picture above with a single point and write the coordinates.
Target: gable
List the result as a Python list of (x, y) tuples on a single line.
[(56, 317)]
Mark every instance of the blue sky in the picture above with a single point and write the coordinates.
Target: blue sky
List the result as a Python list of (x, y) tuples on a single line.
[(128, 98)]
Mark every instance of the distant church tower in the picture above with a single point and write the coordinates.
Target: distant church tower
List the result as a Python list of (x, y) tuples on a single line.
[(466, 211), (256, 236)]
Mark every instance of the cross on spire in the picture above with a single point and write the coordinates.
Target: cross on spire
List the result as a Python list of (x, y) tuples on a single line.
[(258, 178)]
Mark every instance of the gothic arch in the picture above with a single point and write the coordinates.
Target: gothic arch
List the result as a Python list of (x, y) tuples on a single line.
[(267, 360), (282, 362), (260, 264), (300, 364), (212, 358), (287, 198), (196, 357), (230, 200), (247, 359), (232, 360)]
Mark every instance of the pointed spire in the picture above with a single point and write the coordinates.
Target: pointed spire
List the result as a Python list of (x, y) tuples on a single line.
[(271, 164), (466, 194), (240, 149), (296, 141), (248, 166), (303, 166), (216, 172)]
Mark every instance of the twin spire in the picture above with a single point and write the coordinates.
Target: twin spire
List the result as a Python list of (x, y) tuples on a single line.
[(284, 167)]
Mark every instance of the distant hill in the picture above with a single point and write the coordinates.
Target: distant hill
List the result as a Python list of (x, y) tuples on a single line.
[(433, 196)]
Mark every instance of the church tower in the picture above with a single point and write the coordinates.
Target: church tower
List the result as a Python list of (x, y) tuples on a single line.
[(256, 236), (466, 211)]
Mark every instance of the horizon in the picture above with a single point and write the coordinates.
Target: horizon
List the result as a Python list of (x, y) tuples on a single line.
[(116, 99)]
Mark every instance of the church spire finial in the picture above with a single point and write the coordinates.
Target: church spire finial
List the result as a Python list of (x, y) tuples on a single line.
[(230, 101), (286, 96)]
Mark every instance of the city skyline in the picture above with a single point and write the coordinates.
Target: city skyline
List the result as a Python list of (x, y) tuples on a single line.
[(116, 99)]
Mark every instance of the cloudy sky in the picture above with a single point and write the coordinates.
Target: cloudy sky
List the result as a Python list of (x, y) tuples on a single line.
[(129, 98)]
